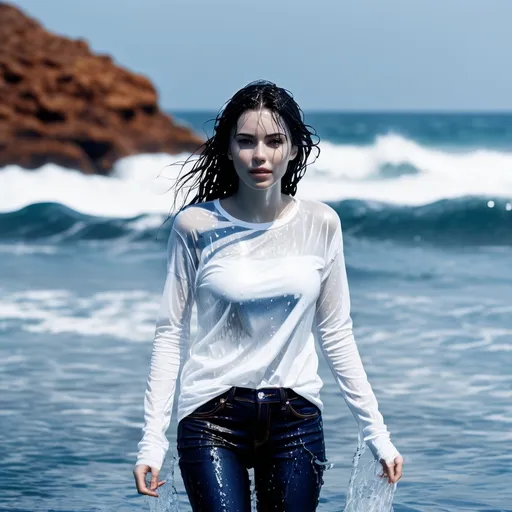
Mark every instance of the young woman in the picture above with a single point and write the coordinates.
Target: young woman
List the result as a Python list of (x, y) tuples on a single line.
[(267, 274)]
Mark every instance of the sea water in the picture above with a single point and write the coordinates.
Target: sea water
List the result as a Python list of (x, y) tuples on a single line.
[(426, 207)]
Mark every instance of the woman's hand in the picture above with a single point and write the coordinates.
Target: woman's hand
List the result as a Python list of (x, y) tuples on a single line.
[(139, 472), (393, 470)]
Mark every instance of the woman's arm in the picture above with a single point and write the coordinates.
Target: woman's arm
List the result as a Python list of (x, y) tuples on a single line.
[(336, 339), (169, 347)]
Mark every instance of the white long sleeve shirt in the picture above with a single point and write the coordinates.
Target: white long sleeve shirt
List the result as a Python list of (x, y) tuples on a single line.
[(263, 292)]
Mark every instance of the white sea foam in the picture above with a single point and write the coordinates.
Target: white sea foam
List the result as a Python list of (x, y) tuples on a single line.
[(341, 172), (124, 315), (118, 314), (22, 249)]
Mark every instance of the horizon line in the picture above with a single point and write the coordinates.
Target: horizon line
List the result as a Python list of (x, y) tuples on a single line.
[(364, 111)]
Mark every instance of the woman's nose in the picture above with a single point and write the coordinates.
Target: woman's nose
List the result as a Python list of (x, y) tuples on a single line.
[(259, 153)]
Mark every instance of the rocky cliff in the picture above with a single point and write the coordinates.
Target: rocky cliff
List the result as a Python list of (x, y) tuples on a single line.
[(60, 103)]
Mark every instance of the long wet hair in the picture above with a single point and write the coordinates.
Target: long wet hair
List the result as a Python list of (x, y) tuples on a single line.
[(213, 174)]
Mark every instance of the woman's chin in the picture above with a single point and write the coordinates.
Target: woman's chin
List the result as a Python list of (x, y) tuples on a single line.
[(258, 183)]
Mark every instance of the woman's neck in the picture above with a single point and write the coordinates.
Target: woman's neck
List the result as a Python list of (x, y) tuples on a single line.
[(257, 206)]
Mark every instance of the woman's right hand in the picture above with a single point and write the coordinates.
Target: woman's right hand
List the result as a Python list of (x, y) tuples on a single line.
[(139, 472)]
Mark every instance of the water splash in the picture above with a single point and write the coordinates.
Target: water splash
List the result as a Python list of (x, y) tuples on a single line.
[(252, 490), (326, 465), (217, 463), (368, 492), (167, 500)]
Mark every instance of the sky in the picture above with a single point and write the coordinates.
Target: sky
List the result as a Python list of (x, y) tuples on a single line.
[(385, 55)]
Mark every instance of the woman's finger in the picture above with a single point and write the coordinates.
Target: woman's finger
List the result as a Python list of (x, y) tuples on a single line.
[(140, 482), (384, 468), (154, 480), (398, 469), (398, 464), (159, 484), (142, 487), (391, 472)]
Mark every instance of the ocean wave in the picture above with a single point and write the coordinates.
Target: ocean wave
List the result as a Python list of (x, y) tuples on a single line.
[(462, 221), (467, 220), (56, 223), (393, 170)]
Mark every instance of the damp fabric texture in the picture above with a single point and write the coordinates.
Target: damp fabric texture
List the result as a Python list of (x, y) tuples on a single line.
[(264, 294)]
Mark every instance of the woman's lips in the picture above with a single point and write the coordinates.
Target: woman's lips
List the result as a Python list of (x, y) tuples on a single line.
[(260, 170), (260, 174)]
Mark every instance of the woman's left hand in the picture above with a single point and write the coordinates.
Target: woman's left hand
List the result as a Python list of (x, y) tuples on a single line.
[(393, 470)]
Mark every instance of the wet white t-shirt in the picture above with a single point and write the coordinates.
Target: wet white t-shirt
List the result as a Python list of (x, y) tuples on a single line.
[(263, 293)]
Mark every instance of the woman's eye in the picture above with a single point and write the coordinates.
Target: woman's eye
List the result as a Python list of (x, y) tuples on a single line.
[(274, 142)]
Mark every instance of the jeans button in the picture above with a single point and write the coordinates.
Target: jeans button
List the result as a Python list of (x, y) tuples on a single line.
[(261, 395)]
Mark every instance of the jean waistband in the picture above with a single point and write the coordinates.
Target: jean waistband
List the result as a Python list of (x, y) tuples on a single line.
[(261, 395)]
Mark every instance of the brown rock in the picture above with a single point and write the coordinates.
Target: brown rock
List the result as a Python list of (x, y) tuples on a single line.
[(60, 103)]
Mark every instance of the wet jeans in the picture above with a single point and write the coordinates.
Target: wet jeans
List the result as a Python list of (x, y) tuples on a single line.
[(274, 430)]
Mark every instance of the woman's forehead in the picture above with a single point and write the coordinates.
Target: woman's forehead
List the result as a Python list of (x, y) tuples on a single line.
[(261, 121)]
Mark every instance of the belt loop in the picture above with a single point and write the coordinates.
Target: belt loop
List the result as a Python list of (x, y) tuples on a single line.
[(230, 396), (284, 399)]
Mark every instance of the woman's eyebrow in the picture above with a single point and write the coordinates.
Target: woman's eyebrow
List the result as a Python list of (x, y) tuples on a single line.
[(269, 135)]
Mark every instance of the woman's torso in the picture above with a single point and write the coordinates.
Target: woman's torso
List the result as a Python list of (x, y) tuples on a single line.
[(255, 289)]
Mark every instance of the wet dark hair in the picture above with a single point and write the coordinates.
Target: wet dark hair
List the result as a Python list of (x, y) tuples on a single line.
[(214, 173)]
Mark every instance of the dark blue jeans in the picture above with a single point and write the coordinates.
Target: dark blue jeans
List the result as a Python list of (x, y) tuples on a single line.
[(273, 430)]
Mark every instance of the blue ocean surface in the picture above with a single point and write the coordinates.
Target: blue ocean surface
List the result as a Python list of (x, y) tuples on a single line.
[(426, 207)]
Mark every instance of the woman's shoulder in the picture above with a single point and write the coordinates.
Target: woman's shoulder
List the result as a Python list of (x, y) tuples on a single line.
[(192, 217), (322, 212)]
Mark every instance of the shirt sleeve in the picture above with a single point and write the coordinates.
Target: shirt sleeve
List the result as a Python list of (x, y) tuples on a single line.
[(336, 339), (169, 348)]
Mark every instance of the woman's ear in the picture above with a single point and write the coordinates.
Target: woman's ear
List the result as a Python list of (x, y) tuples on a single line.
[(294, 152)]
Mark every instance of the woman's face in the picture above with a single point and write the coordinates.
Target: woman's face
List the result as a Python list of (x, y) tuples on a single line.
[(258, 142)]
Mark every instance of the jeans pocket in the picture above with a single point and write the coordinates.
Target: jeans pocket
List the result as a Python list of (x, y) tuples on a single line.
[(209, 408), (302, 408)]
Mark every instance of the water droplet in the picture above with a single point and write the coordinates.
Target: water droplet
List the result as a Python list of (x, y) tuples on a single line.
[(508, 207), (490, 204)]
